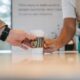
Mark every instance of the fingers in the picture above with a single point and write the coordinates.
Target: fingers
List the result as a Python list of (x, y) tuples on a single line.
[(24, 46), (30, 36), (48, 41), (46, 46), (27, 42), (49, 50), (20, 38)]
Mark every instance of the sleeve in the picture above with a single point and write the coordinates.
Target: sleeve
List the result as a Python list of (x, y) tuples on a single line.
[(68, 9)]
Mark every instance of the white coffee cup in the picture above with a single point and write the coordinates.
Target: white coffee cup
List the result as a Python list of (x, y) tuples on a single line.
[(37, 50)]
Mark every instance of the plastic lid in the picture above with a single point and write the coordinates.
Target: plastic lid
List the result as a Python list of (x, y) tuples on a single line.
[(38, 33)]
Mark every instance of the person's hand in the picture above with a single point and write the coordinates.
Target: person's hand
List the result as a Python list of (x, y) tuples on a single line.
[(50, 45), (20, 38)]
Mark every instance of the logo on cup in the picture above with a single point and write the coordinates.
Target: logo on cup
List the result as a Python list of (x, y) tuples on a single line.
[(39, 41)]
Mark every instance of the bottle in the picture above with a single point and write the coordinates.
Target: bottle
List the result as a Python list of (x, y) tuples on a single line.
[(37, 49)]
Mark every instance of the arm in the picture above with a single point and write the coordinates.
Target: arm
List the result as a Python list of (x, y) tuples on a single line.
[(15, 37), (67, 32), (69, 26)]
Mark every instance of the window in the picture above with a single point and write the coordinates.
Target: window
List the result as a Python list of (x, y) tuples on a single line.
[(5, 15)]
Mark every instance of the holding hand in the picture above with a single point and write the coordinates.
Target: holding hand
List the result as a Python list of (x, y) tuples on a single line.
[(20, 38), (51, 45)]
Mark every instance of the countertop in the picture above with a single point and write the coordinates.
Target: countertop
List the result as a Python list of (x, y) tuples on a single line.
[(53, 66)]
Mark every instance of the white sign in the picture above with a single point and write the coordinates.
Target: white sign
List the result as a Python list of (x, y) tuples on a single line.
[(37, 14)]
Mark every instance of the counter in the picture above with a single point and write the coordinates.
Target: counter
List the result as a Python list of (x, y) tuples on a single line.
[(54, 66)]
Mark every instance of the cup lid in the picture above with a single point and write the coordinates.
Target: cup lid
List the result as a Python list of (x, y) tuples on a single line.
[(38, 33)]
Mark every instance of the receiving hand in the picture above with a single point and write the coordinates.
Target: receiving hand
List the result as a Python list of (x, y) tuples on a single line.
[(20, 38)]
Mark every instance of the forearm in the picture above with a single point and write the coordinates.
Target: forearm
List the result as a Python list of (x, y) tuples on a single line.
[(67, 33), (4, 31)]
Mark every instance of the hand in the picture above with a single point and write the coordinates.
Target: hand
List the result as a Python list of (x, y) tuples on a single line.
[(50, 45), (20, 38)]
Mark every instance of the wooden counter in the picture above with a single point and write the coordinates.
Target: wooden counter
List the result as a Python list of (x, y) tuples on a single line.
[(55, 66)]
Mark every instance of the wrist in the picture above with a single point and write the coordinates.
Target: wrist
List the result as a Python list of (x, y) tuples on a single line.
[(5, 33), (57, 43)]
